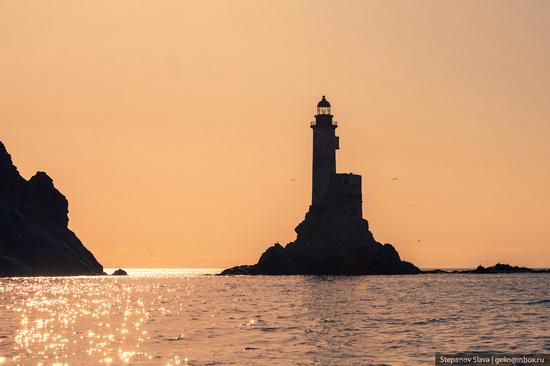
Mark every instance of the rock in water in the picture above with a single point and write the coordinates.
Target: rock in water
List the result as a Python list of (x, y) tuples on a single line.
[(504, 268), (120, 272), (329, 245), (34, 238)]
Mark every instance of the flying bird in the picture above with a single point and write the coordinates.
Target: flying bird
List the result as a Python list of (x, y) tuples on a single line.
[(395, 179)]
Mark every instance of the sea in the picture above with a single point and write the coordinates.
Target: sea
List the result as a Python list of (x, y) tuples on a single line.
[(193, 317)]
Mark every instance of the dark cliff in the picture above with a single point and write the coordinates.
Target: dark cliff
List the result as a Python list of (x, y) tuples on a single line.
[(34, 237)]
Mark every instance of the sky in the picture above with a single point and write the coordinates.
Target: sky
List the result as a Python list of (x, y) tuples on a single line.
[(179, 130)]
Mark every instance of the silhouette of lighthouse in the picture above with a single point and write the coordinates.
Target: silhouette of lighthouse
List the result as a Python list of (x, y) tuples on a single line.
[(332, 195)]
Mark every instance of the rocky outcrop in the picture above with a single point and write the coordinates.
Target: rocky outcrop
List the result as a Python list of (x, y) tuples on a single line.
[(329, 244), (120, 272), (34, 238), (499, 268), (504, 268)]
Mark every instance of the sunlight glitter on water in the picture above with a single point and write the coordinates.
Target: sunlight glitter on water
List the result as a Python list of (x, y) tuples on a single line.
[(187, 318)]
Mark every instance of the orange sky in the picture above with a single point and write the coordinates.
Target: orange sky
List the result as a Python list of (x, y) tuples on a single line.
[(174, 128)]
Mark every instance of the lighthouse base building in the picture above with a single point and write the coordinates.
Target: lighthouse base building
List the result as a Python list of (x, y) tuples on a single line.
[(334, 238)]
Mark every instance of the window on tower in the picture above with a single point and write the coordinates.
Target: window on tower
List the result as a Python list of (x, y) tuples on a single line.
[(323, 107), (323, 110)]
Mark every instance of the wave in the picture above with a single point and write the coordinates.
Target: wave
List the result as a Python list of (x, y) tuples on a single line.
[(538, 302)]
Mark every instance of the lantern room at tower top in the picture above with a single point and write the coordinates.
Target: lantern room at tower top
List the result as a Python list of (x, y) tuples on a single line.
[(323, 107)]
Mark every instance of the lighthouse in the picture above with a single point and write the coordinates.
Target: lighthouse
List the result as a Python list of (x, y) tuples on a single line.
[(333, 238), (332, 194)]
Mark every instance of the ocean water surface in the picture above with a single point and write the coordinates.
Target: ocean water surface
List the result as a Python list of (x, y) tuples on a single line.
[(190, 317)]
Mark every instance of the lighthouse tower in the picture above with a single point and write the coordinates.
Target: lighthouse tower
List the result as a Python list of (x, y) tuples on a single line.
[(325, 144), (333, 194)]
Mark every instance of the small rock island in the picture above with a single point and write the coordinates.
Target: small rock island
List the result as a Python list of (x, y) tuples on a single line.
[(34, 237), (120, 272), (334, 238)]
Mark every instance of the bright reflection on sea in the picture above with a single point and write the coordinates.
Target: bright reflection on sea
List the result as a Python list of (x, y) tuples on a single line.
[(186, 317)]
